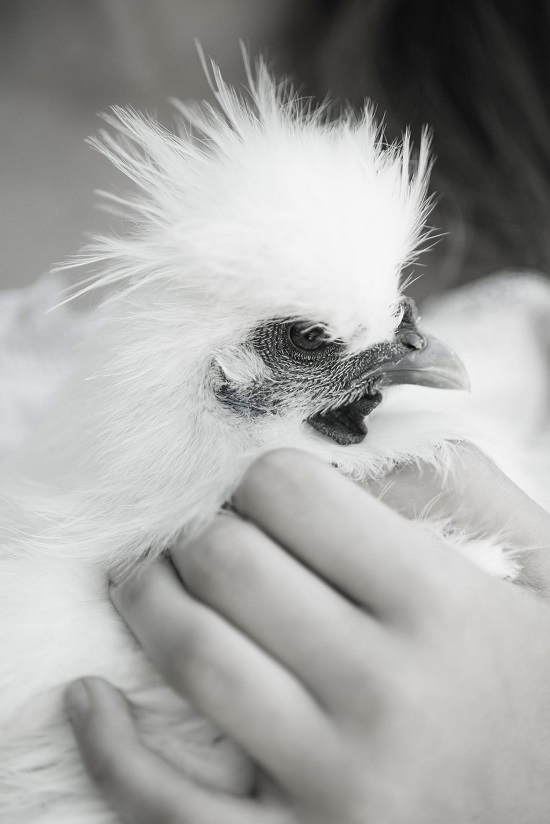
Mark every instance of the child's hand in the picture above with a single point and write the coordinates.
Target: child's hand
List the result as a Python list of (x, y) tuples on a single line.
[(371, 673)]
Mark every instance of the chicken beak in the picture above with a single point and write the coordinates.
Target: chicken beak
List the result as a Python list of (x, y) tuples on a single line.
[(427, 362), (411, 357)]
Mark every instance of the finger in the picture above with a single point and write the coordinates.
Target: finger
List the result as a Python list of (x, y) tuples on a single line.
[(475, 492), (257, 702), (141, 787), (356, 542), (293, 614), (482, 500)]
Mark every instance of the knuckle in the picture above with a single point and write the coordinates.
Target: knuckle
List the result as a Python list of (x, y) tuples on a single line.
[(276, 462), (221, 554), (128, 593), (187, 650), (198, 672), (192, 660), (200, 560)]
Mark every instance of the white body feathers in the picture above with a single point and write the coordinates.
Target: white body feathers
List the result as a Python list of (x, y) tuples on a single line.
[(266, 211)]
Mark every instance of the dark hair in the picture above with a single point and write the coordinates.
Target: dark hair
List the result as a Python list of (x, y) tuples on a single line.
[(478, 73)]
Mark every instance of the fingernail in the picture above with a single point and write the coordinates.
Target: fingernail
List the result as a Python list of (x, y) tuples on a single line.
[(77, 700)]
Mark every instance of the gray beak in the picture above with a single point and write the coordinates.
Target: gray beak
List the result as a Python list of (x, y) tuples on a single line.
[(428, 362), (410, 357)]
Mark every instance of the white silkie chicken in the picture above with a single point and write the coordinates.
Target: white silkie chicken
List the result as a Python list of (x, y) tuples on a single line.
[(256, 304)]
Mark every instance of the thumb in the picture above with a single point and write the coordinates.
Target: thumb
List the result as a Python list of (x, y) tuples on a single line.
[(139, 785), (480, 499)]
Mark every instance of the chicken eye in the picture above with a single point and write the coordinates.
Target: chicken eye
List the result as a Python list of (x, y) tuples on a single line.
[(307, 337)]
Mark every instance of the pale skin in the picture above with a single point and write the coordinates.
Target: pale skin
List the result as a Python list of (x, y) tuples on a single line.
[(373, 675)]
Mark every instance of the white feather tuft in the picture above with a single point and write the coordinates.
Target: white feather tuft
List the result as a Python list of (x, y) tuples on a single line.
[(266, 206)]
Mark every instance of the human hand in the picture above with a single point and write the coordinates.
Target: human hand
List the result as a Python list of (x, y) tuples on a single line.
[(372, 674), (480, 499)]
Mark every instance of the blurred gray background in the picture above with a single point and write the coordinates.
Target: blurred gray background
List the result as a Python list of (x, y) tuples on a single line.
[(62, 62)]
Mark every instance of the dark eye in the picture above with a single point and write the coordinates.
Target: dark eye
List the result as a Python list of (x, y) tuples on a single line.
[(307, 337)]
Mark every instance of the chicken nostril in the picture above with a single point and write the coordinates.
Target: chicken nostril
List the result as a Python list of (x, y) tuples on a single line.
[(412, 340)]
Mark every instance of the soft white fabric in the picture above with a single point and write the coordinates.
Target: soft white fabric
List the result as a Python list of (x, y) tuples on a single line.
[(37, 347)]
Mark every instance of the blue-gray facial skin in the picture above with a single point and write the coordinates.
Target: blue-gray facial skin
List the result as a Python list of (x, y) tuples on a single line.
[(339, 389)]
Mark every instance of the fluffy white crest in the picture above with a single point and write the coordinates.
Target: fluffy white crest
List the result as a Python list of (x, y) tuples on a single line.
[(266, 207)]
